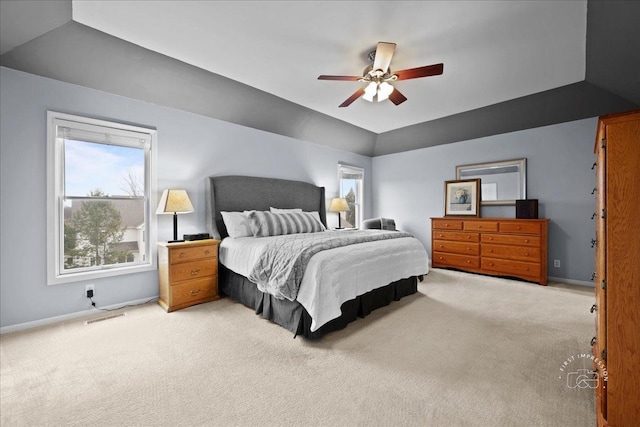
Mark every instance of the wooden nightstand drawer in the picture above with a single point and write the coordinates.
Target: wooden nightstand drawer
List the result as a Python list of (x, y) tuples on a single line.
[(194, 290), (188, 254), (192, 270)]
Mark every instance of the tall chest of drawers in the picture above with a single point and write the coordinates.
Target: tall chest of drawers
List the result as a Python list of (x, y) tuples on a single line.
[(616, 345), (188, 273), (495, 246)]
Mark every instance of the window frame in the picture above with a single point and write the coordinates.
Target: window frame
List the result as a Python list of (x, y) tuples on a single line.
[(359, 203), (56, 195)]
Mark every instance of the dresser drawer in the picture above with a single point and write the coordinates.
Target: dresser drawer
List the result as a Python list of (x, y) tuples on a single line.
[(509, 267), (520, 227), (453, 260), (519, 253), (511, 239), (192, 270), (447, 224), (458, 236), (480, 226), (177, 255), (456, 247), (194, 290)]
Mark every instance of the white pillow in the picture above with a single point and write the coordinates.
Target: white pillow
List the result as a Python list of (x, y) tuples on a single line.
[(237, 223), (276, 210), (315, 214)]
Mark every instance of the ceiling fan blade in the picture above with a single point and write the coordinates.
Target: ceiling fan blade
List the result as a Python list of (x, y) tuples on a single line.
[(414, 73), (357, 94), (384, 53), (396, 97), (345, 78)]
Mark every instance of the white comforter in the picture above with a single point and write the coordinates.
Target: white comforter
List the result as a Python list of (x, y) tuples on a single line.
[(337, 275)]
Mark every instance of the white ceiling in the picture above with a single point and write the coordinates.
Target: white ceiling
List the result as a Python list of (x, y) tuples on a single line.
[(492, 51)]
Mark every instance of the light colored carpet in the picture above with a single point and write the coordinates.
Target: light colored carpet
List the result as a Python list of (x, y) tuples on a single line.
[(466, 350)]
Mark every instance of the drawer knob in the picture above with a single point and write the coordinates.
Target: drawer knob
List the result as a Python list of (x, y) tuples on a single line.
[(526, 269), (526, 254), (490, 250), (440, 258), (194, 272), (446, 225), (194, 292), (207, 252), (518, 227), (468, 261), (526, 240), (490, 238), (491, 264), (181, 254), (442, 246)]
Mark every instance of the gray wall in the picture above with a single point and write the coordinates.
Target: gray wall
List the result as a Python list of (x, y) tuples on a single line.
[(190, 148), (409, 187)]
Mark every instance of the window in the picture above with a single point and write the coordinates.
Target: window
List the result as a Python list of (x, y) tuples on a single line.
[(100, 193), (351, 184)]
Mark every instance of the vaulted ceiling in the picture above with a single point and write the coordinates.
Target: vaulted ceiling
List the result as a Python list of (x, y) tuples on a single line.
[(503, 60)]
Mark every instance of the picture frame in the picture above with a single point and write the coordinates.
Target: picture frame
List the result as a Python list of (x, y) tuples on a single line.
[(462, 197)]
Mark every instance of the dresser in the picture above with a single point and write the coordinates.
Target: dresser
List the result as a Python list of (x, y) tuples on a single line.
[(616, 345), (496, 246), (188, 273)]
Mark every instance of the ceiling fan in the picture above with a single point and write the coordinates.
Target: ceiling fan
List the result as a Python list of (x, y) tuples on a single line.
[(378, 77)]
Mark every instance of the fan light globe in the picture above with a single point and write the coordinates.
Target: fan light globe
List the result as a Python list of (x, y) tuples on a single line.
[(384, 90), (370, 91)]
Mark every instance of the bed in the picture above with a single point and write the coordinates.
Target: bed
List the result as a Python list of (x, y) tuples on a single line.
[(339, 285)]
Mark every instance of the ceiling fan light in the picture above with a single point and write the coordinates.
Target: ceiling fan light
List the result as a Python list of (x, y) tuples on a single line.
[(370, 91), (384, 90)]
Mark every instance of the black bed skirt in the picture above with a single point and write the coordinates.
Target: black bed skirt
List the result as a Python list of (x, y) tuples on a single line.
[(293, 316)]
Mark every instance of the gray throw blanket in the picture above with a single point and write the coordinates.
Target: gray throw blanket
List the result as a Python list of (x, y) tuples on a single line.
[(281, 266)]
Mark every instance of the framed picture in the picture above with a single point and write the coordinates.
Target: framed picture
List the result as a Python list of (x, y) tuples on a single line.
[(462, 197)]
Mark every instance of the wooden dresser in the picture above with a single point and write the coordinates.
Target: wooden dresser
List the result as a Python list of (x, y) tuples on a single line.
[(188, 273), (617, 270), (496, 246)]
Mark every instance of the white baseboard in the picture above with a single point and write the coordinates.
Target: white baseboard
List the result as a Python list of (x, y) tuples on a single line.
[(66, 317), (571, 281)]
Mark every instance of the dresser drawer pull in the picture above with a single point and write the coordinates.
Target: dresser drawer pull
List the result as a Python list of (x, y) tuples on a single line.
[(518, 227), (593, 308), (207, 252), (192, 292), (490, 238), (526, 254), (490, 250), (526, 240), (441, 246), (446, 225), (194, 272), (441, 258), (491, 264), (182, 254), (468, 261), (593, 341)]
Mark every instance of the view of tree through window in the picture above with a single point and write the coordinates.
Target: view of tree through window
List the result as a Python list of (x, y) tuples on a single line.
[(100, 187), (351, 179), (103, 204)]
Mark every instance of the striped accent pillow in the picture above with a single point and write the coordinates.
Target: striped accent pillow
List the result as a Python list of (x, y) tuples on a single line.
[(265, 223)]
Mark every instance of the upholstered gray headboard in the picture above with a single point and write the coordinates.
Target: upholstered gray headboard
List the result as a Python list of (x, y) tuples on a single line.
[(235, 193)]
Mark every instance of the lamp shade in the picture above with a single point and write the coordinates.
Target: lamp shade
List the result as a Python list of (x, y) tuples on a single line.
[(339, 204), (174, 202)]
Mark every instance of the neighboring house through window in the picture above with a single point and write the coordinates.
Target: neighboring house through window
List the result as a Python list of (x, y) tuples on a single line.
[(351, 188), (100, 196)]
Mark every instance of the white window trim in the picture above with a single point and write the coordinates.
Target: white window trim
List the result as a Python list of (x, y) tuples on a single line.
[(360, 202), (55, 188)]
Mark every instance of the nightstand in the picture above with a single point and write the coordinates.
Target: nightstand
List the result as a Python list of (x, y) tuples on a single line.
[(188, 273)]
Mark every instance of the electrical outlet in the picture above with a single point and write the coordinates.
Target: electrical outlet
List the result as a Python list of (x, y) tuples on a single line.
[(556, 263), (89, 291)]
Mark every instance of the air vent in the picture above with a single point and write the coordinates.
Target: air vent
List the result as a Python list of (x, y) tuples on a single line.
[(89, 322)]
